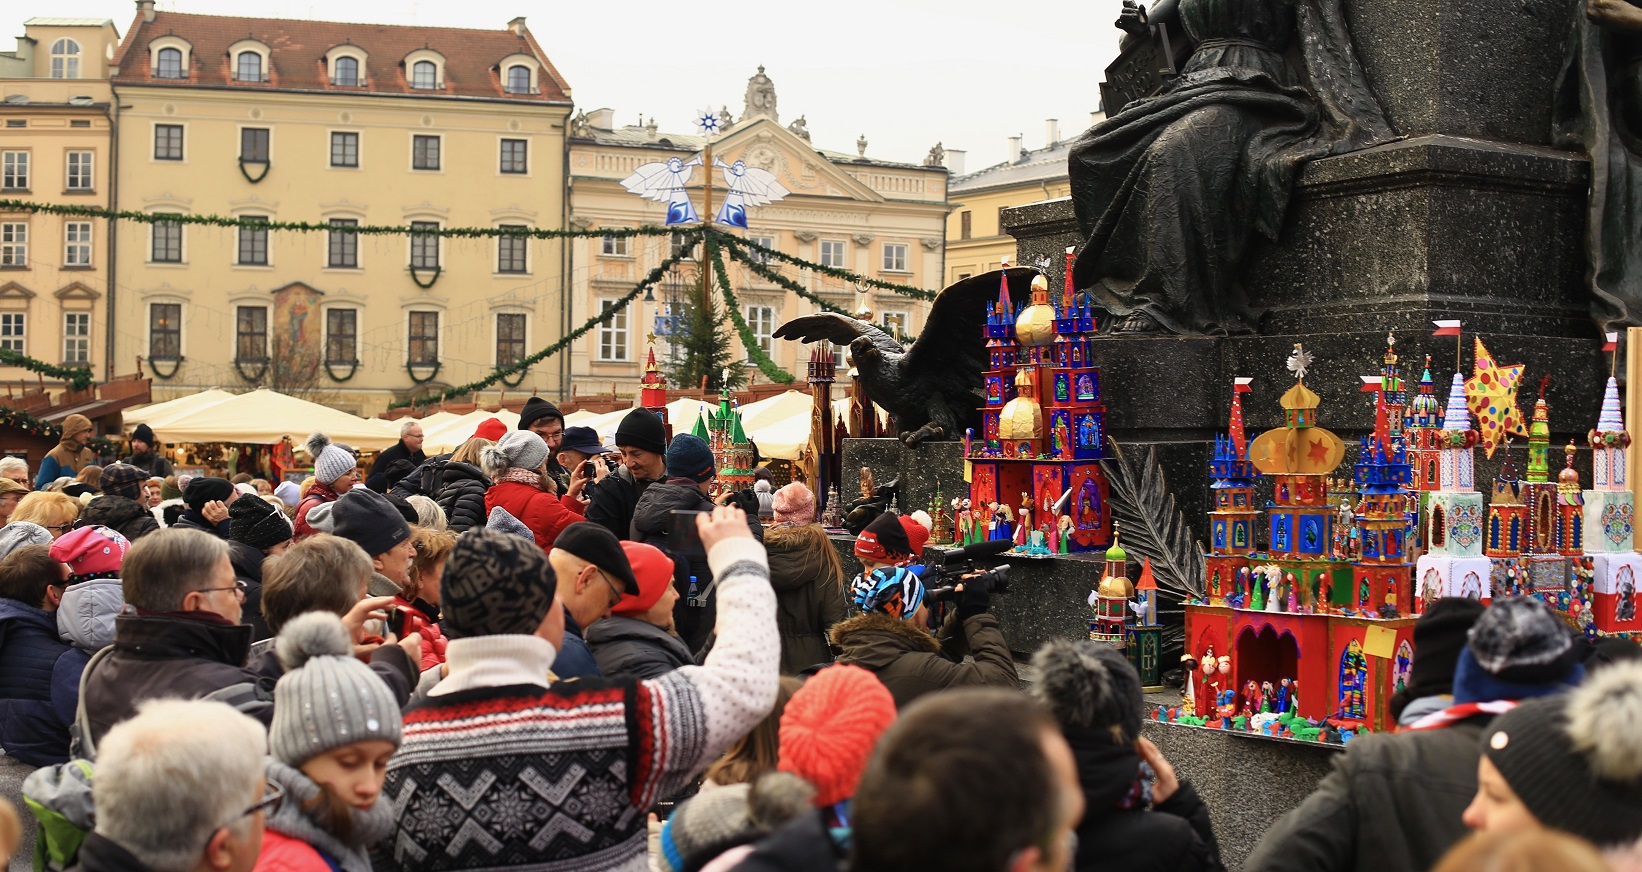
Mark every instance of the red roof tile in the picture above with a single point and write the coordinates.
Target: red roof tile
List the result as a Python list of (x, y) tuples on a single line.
[(298, 48)]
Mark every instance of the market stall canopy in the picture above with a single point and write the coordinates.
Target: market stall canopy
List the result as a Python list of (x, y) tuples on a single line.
[(265, 417), (449, 436), (579, 417), (771, 410), (158, 416)]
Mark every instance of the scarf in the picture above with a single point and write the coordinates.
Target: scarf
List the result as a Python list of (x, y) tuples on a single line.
[(370, 826), (1464, 711), (1113, 776), (521, 476)]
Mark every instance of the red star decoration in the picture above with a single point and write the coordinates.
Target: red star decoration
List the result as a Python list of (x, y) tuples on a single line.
[(1318, 452)]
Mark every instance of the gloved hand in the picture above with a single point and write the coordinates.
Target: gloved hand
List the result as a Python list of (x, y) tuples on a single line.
[(975, 598)]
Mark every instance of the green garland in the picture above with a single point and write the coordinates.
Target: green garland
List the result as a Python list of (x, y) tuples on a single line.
[(831, 271), (18, 419), (765, 365), (763, 270), (78, 377)]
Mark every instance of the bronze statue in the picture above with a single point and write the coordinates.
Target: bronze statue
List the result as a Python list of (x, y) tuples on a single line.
[(1171, 190), (1598, 106)]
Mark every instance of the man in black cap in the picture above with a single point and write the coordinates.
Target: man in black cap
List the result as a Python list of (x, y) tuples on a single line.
[(545, 420), (642, 439), (581, 444), (145, 454), (207, 502), (367, 519)]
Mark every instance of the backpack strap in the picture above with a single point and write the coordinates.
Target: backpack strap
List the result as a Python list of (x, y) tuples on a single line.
[(80, 744)]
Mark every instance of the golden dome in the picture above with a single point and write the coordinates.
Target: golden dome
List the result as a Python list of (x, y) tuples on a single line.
[(1036, 325), (1022, 417), (1116, 587)]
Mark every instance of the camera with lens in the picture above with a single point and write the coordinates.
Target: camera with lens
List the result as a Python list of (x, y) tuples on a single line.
[(959, 568)]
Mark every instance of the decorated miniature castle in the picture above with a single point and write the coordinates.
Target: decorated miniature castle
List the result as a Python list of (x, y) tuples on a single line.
[(1452, 520), (732, 450)]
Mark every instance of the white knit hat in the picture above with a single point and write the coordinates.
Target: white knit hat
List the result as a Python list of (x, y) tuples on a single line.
[(331, 461)]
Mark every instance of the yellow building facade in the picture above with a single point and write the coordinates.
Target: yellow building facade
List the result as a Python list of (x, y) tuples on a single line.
[(976, 241), (346, 125), (874, 217), (56, 146)]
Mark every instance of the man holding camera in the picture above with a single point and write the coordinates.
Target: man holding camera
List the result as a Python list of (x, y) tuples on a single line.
[(891, 638)]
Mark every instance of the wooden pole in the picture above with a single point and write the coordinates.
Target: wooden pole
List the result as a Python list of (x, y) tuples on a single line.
[(707, 222)]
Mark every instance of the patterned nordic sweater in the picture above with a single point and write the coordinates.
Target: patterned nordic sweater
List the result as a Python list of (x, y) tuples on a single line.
[(496, 772)]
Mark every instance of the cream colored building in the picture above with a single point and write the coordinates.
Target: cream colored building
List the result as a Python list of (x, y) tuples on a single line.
[(347, 125), (874, 217), (56, 147)]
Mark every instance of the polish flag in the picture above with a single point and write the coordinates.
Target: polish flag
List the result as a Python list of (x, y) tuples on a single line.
[(1613, 342), (1447, 328), (1371, 383), (1241, 384)]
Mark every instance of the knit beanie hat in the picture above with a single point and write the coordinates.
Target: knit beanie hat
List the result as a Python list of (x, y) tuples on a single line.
[(205, 490), (642, 429), (829, 728), (1517, 649), (653, 570), (795, 504), (1439, 636), (254, 522), (145, 433), (1088, 685), (917, 532), (327, 698), (502, 521), (689, 457), (1575, 760), (495, 584), (289, 493), (884, 539), (366, 518), (403, 507), (331, 461), (520, 449), (17, 534), (536, 409), (893, 590), (91, 552), (321, 519), (123, 480), (714, 821), (490, 429)]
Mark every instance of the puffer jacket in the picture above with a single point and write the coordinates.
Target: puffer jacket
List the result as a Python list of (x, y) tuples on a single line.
[(459, 489), (424, 618), (631, 648), (1174, 834), (39, 685), (544, 513), (809, 593), (247, 561), (652, 518), (911, 662), (120, 514), (85, 617), (317, 494)]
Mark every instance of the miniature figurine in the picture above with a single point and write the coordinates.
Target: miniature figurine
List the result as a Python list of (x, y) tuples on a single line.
[(1285, 694), (1023, 530), (1188, 689), (1066, 527), (1268, 698), (867, 489), (1251, 698)]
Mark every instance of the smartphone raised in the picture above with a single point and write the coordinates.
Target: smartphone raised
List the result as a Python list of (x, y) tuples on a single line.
[(683, 538)]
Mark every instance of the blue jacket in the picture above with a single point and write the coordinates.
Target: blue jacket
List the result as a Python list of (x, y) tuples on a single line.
[(575, 659), (39, 685)]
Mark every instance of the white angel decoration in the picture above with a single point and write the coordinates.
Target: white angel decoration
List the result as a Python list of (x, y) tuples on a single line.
[(665, 181), (748, 186)]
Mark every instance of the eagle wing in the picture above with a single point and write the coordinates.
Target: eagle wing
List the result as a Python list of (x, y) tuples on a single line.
[(952, 344), (837, 329)]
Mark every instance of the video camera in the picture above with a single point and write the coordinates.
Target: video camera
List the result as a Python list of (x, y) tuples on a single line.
[(957, 568)]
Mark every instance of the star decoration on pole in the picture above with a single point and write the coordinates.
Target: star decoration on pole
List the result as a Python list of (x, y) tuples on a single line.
[(1491, 395), (709, 123)]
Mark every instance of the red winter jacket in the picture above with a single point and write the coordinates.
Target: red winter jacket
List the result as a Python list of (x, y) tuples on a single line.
[(281, 853), (317, 494), (544, 513), (433, 641)]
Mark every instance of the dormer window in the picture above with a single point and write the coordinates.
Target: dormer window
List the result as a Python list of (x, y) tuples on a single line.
[(248, 67), (345, 72), (65, 59), (168, 64), (518, 80), (425, 75)]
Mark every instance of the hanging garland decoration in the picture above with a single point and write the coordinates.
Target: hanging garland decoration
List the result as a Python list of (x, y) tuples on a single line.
[(830, 271), (754, 351), (437, 365), (437, 271), (517, 379), (176, 364), (20, 420), (78, 378), (763, 270), (266, 165), (650, 281), (353, 367), (239, 367)]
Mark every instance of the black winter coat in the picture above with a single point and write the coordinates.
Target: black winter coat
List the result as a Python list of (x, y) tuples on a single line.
[(397, 451), (631, 648), (1173, 835), (652, 518), (120, 514), (910, 662), (805, 844), (388, 662), (611, 502), (809, 594), (191, 520), (99, 854), (459, 489), (247, 561), (411, 485), (173, 656), (151, 463)]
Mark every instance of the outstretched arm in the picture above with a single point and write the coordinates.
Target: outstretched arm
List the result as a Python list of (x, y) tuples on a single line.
[(1617, 14)]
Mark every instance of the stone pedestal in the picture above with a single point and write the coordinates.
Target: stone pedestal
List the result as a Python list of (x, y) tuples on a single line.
[(918, 468)]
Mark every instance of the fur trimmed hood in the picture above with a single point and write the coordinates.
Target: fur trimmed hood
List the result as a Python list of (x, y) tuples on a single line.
[(875, 636)]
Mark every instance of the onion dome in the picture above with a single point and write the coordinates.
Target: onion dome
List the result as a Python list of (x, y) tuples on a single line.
[(1114, 583), (1567, 481), (1425, 411), (1036, 324), (1022, 417)]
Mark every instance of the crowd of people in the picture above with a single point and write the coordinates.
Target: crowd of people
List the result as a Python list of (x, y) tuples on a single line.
[(542, 651)]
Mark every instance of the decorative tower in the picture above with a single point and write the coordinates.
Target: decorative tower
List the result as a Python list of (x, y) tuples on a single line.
[(1143, 637), (1570, 507), (1609, 505), (1507, 528), (653, 391), (1382, 475), (1001, 353), (1538, 488), (824, 458), (1110, 600), (1452, 524), (1232, 519), (732, 450)]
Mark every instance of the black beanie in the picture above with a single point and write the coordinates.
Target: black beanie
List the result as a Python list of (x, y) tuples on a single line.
[(367, 519), (144, 433), (253, 521), (406, 510), (204, 490), (883, 539), (1439, 636), (641, 429), (535, 409)]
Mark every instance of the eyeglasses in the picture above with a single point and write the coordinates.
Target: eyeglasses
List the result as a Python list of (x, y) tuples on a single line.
[(615, 592), (238, 589), (60, 528), (272, 793)]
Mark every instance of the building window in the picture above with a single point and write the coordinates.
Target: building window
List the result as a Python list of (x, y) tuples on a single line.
[(253, 144), (253, 241), (76, 337), (895, 324), (425, 75), (344, 149), (167, 242), (65, 59), (613, 333), (341, 335), (895, 257), (761, 319), (514, 153), (510, 250), (79, 170), (249, 68), (168, 142), (14, 244), (757, 256), (168, 64), (164, 331), (343, 245), (833, 252), (346, 73), (966, 224), (510, 339), (424, 245), (615, 246), (679, 249), (518, 80), (13, 330), (77, 243), (14, 170), (424, 338), (251, 334), (424, 152)]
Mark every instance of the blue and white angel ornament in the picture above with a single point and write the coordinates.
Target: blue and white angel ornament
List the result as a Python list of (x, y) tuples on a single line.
[(748, 186), (665, 181)]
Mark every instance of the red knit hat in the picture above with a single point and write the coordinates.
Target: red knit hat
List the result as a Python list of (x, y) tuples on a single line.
[(492, 429), (829, 728), (91, 552), (884, 539), (917, 535), (654, 572)]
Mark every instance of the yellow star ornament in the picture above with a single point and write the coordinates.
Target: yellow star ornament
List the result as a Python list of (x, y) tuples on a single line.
[(1491, 394)]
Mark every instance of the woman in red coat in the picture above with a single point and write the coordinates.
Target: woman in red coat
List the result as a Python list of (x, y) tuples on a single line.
[(419, 599), (517, 466)]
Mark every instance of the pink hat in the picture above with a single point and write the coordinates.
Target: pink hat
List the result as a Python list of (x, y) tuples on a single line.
[(794, 504), (91, 552)]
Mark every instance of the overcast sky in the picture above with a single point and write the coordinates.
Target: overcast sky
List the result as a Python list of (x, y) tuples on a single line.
[(906, 74)]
